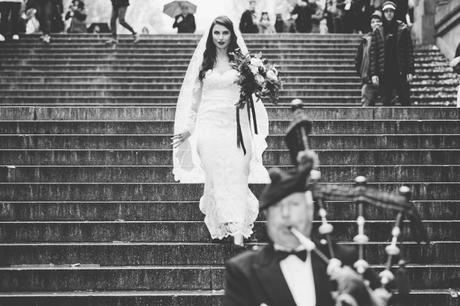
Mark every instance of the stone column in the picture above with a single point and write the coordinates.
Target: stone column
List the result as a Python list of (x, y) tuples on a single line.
[(424, 15)]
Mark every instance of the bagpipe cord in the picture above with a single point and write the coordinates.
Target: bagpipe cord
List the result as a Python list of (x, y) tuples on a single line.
[(239, 134)]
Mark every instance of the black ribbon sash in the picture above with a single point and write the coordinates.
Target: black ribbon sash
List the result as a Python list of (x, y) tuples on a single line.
[(251, 113)]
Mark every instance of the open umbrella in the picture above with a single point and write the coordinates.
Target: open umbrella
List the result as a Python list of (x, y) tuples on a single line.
[(174, 8)]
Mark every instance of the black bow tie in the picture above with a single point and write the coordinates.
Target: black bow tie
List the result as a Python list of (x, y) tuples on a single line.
[(283, 254)]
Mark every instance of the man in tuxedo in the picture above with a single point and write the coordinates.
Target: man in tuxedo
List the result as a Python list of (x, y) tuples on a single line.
[(284, 273)]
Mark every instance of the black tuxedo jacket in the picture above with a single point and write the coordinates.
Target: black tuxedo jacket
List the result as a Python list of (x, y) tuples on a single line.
[(255, 277)]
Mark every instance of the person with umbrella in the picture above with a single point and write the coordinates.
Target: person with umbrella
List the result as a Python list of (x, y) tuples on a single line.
[(119, 8), (185, 21)]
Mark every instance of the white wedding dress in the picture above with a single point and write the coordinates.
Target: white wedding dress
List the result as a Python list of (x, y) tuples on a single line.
[(228, 204), (210, 155)]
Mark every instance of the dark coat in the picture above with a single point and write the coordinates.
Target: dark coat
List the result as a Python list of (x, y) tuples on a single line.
[(120, 3), (362, 59), (303, 22), (247, 24), (187, 25), (255, 277), (404, 49)]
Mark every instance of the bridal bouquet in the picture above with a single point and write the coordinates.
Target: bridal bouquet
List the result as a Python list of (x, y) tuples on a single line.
[(256, 76)]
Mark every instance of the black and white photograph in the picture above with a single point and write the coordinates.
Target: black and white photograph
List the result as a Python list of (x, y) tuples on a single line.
[(229, 153)]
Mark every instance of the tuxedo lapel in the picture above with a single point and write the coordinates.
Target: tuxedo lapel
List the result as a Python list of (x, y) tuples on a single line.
[(323, 286), (271, 278)]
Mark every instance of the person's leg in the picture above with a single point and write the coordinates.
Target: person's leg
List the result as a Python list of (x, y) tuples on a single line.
[(44, 17), (365, 98), (113, 21), (387, 91), (15, 9), (4, 12), (373, 94), (121, 19), (403, 91)]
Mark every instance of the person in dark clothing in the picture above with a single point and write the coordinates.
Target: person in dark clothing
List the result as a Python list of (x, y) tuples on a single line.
[(248, 21), (9, 18), (287, 273), (392, 62), (77, 16), (49, 15), (369, 91), (402, 9), (185, 22), (304, 10), (280, 25), (119, 8)]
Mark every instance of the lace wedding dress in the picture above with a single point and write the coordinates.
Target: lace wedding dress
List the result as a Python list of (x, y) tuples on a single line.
[(228, 204), (210, 155)]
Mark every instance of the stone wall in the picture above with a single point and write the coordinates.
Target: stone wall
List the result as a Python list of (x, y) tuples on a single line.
[(447, 26)]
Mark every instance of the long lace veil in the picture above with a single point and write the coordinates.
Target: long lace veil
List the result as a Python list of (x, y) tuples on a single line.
[(186, 162)]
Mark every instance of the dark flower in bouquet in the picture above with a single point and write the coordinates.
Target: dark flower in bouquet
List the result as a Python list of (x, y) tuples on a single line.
[(256, 76)]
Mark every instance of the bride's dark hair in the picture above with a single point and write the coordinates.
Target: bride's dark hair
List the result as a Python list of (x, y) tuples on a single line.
[(209, 56)]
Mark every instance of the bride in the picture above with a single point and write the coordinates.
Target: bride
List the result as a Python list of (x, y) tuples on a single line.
[(205, 136)]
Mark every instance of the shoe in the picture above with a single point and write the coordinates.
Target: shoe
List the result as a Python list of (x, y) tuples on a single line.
[(46, 38), (238, 240), (137, 38), (111, 41), (2, 38), (15, 37)]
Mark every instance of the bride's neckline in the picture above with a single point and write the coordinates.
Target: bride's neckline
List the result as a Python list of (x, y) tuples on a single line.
[(221, 73)]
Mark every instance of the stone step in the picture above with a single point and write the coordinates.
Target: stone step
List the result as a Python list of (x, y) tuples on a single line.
[(280, 112), (12, 89), (160, 126), (189, 211), (427, 297), (350, 72), (193, 231), (181, 192), (173, 49), (167, 278), (169, 60), (69, 157), (127, 68), (160, 173), (159, 93), (184, 56), (339, 95), (163, 141), (167, 254), (131, 297), (163, 86), (133, 65), (62, 80), (431, 99)]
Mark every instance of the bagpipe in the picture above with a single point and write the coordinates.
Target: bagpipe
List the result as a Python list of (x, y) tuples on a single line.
[(363, 195)]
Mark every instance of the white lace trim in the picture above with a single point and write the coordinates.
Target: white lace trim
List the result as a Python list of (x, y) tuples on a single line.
[(221, 230)]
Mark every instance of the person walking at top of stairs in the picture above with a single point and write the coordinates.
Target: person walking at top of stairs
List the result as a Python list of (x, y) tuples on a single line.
[(119, 8)]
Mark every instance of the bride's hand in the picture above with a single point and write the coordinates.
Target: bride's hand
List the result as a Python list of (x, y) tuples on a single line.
[(178, 139)]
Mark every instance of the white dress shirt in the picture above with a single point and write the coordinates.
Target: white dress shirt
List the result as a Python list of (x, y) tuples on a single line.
[(299, 277)]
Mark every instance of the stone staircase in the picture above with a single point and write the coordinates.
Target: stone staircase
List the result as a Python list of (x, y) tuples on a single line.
[(89, 211)]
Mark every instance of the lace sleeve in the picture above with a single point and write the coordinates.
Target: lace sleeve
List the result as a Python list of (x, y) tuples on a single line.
[(195, 105)]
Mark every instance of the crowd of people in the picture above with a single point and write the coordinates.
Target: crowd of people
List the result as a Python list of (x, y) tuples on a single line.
[(40, 16), (322, 16)]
